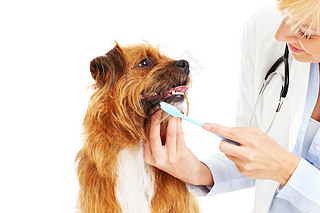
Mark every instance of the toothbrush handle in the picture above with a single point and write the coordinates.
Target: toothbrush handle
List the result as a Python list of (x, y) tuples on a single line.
[(200, 124), (191, 120)]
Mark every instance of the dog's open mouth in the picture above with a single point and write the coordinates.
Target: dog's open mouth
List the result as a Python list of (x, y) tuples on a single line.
[(173, 92), (151, 100)]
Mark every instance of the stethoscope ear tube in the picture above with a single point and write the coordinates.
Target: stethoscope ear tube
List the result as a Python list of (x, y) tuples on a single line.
[(273, 68), (284, 92), (284, 59), (256, 102)]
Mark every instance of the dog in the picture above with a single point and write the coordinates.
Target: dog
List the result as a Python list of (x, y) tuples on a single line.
[(130, 82)]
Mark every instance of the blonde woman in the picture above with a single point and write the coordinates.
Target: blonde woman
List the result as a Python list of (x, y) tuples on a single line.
[(282, 164)]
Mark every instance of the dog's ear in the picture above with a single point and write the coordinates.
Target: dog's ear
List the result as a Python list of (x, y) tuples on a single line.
[(108, 68)]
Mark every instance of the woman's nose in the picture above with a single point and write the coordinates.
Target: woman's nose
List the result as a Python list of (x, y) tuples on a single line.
[(285, 34)]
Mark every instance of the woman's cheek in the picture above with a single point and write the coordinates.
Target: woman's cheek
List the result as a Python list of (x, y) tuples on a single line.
[(312, 47)]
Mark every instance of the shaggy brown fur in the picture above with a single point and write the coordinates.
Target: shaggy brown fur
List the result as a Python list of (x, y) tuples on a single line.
[(127, 80)]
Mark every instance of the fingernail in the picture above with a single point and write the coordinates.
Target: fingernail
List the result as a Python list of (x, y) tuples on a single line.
[(207, 126)]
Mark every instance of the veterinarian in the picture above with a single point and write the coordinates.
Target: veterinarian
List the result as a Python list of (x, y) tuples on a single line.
[(282, 164)]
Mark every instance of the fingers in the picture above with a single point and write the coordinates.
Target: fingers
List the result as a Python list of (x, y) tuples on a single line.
[(236, 153), (157, 154), (147, 152), (154, 150), (235, 160), (171, 136), (180, 138), (154, 135), (230, 149), (242, 135)]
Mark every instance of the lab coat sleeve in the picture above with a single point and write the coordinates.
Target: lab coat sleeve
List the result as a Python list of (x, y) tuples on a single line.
[(226, 177), (303, 188), (225, 174)]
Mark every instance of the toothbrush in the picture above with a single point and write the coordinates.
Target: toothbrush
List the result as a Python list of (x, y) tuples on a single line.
[(172, 110)]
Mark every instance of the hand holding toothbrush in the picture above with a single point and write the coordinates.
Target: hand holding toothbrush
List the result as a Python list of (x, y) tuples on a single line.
[(258, 157)]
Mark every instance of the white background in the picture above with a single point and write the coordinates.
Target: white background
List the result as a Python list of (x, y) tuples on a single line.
[(45, 50)]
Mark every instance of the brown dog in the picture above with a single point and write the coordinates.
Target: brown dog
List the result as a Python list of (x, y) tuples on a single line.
[(130, 83)]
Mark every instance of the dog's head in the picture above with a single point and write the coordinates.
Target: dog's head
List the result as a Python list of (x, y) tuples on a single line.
[(135, 79)]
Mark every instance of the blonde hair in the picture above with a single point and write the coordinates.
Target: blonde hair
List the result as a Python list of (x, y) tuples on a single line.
[(301, 14)]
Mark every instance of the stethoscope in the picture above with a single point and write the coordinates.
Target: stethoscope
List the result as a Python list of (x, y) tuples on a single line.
[(285, 85)]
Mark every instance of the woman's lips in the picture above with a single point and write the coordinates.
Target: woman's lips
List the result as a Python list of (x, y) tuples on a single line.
[(294, 49)]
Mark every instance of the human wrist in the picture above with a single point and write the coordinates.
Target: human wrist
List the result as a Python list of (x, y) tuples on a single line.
[(289, 167), (205, 177)]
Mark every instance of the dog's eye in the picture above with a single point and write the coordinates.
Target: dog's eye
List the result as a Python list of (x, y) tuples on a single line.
[(144, 63)]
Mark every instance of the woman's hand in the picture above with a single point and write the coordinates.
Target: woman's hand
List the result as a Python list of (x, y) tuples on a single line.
[(258, 156), (174, 157)]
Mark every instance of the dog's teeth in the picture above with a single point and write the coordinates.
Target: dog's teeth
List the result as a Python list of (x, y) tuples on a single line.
[(161, 93), (173, 92), (176, 93)]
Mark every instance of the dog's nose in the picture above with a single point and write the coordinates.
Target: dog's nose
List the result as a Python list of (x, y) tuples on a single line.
[(183, 65)]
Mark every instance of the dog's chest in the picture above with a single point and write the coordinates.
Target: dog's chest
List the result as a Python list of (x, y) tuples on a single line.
[(135, 183)]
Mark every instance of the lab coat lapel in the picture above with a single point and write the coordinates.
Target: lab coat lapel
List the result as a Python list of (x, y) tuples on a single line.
[(286, 125), (279, 127), (290, 116), (298, 93)]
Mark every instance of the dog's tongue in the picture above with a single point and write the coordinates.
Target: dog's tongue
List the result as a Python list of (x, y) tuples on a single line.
[(180, 89)]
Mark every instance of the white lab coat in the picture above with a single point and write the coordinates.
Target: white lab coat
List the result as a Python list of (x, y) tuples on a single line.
[(259, 51)]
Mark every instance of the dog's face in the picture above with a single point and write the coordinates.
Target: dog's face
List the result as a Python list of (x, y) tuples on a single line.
[(135, 79)]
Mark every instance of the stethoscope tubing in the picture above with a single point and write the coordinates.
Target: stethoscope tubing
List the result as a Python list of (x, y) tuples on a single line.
[(284, 90)]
